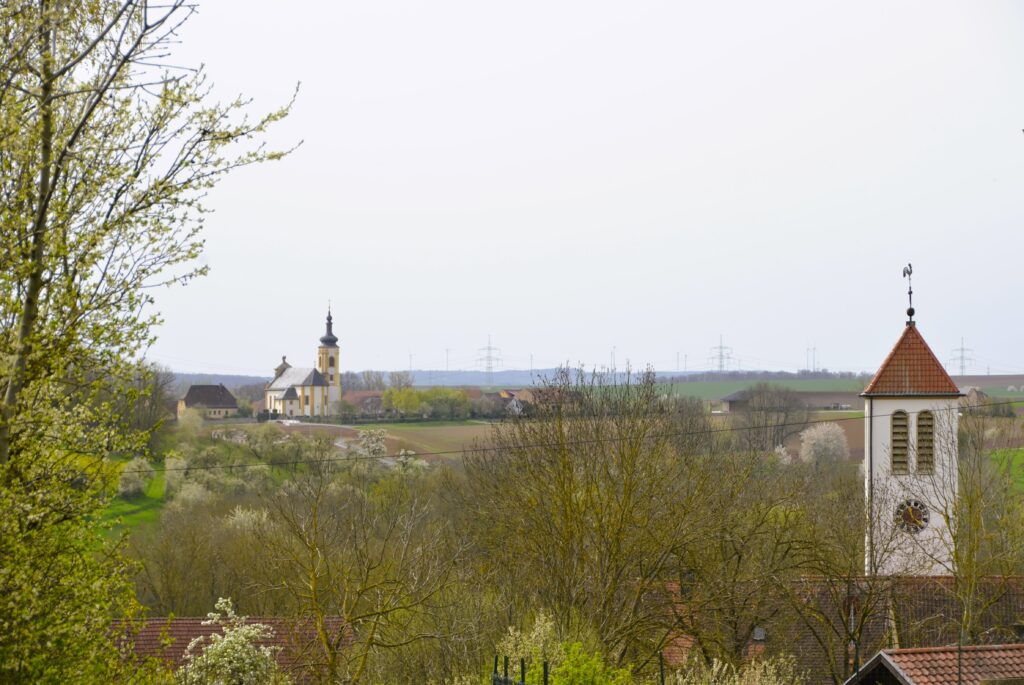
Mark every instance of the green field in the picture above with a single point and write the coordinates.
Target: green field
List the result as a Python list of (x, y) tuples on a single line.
[(1014, 460), (130, 513), (716, 390), (1004, 393)]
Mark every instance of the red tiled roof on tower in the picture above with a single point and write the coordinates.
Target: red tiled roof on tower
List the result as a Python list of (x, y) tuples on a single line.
[(911, 369)]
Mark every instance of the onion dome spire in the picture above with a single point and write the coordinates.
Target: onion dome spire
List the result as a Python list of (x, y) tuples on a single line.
[(329, 339)]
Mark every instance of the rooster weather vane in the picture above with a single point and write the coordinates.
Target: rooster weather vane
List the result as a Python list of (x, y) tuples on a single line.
[(908, 270)]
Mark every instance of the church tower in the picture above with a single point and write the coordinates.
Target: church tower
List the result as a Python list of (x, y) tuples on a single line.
[(910, 464), (327, 363)]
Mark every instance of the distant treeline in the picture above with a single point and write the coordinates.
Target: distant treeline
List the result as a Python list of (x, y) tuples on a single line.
[(251, 387)]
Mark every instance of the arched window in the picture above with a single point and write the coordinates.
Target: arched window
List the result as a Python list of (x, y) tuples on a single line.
[(900, 441), (330, 361), (925, 442)]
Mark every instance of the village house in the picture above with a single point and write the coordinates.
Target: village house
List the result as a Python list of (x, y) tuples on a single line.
[(977, 665), (213, 401)]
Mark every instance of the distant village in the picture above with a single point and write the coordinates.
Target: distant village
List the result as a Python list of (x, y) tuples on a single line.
[(319, 392), (324, 392)]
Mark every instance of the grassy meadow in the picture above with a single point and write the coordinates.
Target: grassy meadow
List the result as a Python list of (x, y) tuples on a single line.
[(716, 390)]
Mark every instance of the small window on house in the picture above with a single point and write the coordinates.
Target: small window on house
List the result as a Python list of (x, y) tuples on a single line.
[(307, 400), (925, 442), (330, 361), (900, 441)]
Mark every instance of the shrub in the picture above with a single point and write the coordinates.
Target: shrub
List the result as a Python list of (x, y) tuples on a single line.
[(190, 495), (174, 474), (568, 663), (134, 477), (579, 667), (774, 671)]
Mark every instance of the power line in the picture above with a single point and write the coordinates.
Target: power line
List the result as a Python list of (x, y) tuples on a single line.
[(721, 355), (571, 443), (491, 356), (961, 358)]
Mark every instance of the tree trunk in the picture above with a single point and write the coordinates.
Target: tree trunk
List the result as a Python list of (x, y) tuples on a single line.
[(30, 308)]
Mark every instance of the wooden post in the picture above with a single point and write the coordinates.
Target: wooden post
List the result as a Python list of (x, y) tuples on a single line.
[(661, 667), (545, 672)]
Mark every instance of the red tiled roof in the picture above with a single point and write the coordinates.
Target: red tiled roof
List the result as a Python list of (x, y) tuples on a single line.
[(357, 396), (939, 665), (911, 369), (298, 651)]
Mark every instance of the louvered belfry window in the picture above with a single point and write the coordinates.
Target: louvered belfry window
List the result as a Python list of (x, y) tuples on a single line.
[(900, 442), (925, 442)]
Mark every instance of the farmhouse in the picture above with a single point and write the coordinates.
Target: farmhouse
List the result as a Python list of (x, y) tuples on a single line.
[(214, 401), (308, 391), (812, 399)]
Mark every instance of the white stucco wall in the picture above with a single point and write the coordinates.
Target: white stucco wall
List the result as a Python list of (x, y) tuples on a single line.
[(929, 551)]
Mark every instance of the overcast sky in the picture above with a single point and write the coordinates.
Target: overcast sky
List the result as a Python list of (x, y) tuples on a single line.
[(570, 177)]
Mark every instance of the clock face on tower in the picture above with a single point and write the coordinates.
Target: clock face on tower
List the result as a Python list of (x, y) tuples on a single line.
[(912, 516)]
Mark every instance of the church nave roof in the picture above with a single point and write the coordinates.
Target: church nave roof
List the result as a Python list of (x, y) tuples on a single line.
[(298, 376)]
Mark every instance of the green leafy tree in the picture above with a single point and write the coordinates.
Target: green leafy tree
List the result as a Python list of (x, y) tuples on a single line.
[(105, 157), (580, 667), (404, 400), (449, 403)]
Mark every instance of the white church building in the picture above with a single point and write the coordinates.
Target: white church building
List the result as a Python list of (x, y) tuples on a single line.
[(910, 464), (308, 391)]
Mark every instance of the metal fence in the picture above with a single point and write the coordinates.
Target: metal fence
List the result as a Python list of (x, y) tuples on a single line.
[(505, 677)]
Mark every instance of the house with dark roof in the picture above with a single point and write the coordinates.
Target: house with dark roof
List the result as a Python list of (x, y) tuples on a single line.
[(213, 401), (976, 665), (817, 400)]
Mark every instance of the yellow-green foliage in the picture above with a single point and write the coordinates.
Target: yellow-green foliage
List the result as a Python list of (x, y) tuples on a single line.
[(777, 671)]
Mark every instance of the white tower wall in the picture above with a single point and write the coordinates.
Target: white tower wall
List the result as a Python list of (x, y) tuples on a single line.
[(890, 550)]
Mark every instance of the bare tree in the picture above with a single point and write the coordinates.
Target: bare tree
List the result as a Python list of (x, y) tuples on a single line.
[(770, 414), (399, 380), (373, 561), (373, 380), (979, 502), (581, 509)]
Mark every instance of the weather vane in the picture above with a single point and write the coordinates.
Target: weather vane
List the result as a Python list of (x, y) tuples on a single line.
[(908, 271)]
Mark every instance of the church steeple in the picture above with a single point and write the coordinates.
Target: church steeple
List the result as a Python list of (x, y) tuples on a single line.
[(329, 339), (911, 407)]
